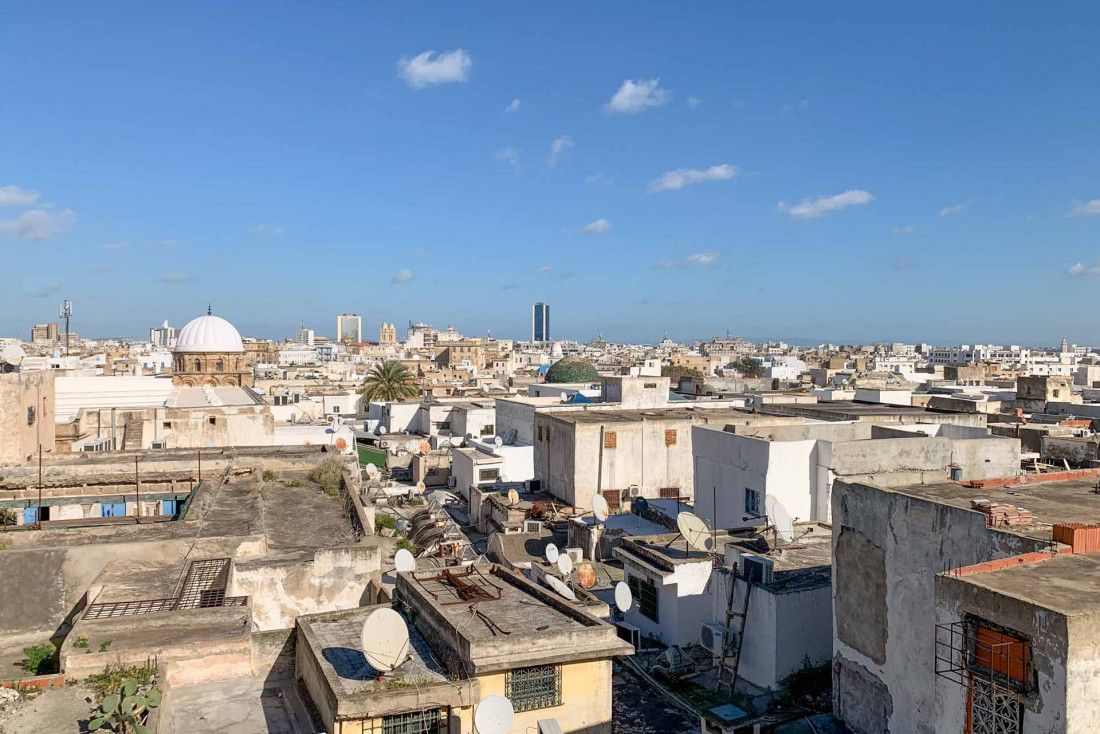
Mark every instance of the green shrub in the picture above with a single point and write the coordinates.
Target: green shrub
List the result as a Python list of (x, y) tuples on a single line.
[(39, 659), (105, 646), (125, 711), (407, 545), (81, 642), (7, 517), (269, 476), (115, 674), (328, 475), (384, 521), (294, 483)]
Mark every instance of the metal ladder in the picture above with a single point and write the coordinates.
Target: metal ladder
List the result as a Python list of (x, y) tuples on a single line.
[(728, 664)]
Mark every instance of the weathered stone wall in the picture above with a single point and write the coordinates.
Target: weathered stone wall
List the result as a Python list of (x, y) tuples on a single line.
[(19, 435)]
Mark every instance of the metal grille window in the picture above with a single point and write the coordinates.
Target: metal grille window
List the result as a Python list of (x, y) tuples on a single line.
[(670, 493), (614, 498), (610, 440), (670, 437), (645, 593), (537, 687), (428, 721)]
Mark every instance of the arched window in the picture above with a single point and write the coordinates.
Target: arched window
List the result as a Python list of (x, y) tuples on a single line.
[(198, 366), (219, 366)]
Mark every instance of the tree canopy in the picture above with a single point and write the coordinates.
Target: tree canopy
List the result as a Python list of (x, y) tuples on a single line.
[(388, 381)]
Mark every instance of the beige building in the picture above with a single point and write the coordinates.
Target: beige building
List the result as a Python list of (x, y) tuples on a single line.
[(26, 415), (209, 352), (387, 334)]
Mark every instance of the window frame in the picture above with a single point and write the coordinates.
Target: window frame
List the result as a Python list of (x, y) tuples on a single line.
[(546, 679), (752, 502), (645, 594)]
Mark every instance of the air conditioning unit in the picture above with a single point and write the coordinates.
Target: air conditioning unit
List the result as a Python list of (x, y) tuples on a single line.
[(634, 490), (532, 526), (757, 569), (534, 485), (630, 633), (712, 636), (576, 555)]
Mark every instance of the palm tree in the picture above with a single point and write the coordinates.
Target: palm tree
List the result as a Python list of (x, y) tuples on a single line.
[(388, 381)]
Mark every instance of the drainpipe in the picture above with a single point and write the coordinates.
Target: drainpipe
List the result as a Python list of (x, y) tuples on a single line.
[(114, 443)]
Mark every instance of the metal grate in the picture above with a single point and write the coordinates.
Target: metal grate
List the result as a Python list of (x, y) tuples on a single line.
[(537, 687), (203, 587), (977, 650), (645, 592), (992, 709)]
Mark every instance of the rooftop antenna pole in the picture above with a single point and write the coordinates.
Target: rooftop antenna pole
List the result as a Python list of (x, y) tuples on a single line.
[(38, 517), (66, 312)]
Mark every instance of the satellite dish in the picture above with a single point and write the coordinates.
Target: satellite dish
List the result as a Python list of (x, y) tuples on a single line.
[(404, 561), (420, 487), (372, 471), (12, 354), (498, 441), (424, 448), (560, 586), (641, 505), (586, 575), (600, 508), (402, 524), (382, 430), (780, 518), (385, 639), (564, 397), (624, 599), (565, 564), (551, 553), (513, 497), (695, 531), (494, 715)]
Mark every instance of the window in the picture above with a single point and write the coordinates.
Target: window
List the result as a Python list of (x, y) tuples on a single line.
[(158, 445), (428, 721), (198, 366), (168, 425), (752, 502), (610, 440), (670, 493), (537, 687), (30, 416), (651, 386), (670, 437), (614, 498), (488, 430), (219, 366), (488, 475), (540, 433), (213, 421), (645, 593)]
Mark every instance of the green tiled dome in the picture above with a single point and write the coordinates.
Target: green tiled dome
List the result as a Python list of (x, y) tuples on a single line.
[(572, 369)]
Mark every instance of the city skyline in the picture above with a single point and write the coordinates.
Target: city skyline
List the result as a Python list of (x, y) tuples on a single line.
[(750, 173)]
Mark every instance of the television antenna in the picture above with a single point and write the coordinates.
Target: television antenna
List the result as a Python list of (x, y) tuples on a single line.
[(552, 553), (624, 598), (695, 532), (65, 312), (404, 560), (385, 640), (600, 508), (494, 715)]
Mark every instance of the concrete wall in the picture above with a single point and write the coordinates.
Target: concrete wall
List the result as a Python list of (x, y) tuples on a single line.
[(281, 590), (636, 392), (684, 602), (20, 392), (586, 699), (516, 416), (887, 548)]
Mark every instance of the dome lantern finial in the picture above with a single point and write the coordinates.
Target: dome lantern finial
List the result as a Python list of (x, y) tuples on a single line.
[(209, 310)]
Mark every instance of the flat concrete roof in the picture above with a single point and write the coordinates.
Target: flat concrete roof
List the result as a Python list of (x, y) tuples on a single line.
[(1068, 583), (637, 415), (1067, 501)]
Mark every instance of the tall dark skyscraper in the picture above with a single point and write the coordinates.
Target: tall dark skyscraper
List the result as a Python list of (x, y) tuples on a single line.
[(540, 322)]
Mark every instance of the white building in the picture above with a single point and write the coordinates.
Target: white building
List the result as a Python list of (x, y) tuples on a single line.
[(305, 336), (163, 336)]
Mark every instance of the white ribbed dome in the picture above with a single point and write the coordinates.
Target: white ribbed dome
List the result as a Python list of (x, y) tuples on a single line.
[(209, 334)]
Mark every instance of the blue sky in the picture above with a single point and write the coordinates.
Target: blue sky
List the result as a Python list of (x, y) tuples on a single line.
[(852, 172)]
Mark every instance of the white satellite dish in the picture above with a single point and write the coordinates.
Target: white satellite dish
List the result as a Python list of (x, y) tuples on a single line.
[(404, 560), (551, 553), (624, 599), (513, 497), (494, 715), (780, 518), (600, 508), (420, 487), (565, 564), (385, 639), (559, 586), (372, 471), (382, 430), (564, 397), (695, 531), (498, 441), (12, 354)]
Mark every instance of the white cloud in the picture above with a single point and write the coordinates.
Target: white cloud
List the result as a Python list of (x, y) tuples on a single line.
[(273, 229), (907, 229), (559, 146), (429, 68), (38, 225), (173, 276), (1087, 209), (1088, 270), (513, 105), (543, 269), (694, 102), (959, 208), (14, 196), (509, 156), (681, 177), (114, 246), (697, 260), (597, 227), (636, 96), (824, 205), (403, 276)]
